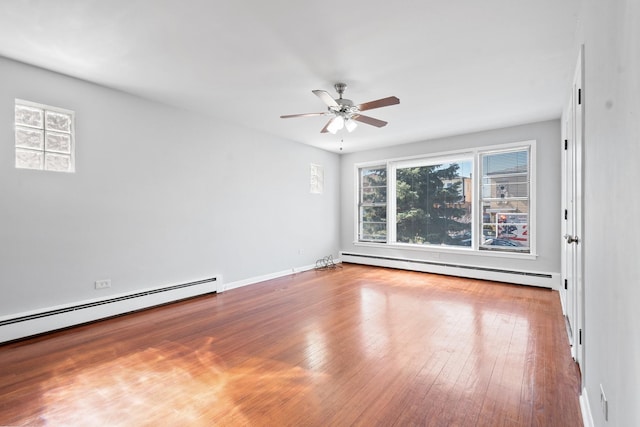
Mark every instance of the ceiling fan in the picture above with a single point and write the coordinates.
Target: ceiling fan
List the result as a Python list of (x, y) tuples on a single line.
[(344, 113)]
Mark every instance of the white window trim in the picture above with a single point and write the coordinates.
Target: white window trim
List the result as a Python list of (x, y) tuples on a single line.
[(357, 194), (517, 146), (426, 159), (420, 162)]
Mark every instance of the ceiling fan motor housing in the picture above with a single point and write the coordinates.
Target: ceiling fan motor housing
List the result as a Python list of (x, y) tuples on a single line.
[(345, 107)]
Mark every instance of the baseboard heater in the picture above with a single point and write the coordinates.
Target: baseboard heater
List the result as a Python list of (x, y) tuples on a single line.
[(37, 322), (547, 280)]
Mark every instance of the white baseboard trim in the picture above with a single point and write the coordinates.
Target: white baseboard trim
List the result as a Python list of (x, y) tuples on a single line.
[(26, 324), (22, 325), (270, 276), (585, 408), (546, 280)]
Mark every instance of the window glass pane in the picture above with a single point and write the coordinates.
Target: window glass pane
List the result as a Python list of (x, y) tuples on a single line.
[(373, 177), (57, 162), (377, 214), (59, 142), (374, 223), (505, 187), (28, 116), (433, 204), (29, 138), (505, 201), (505, 163), (58, 121), (29, 159), (374, 232), (374, 195)]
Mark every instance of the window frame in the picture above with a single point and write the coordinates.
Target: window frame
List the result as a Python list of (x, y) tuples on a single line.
[(421, 162), (358, 224), (481, 175), (474, 154), (72, 135)]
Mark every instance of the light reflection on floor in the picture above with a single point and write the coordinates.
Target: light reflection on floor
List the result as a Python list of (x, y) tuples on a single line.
[(474, 327), (169, 385), (316, 349)]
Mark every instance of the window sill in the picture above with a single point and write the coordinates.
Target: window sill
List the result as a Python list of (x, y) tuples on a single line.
[(443, 249)]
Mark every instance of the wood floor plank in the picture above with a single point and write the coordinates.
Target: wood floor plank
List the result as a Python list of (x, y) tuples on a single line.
[(352, 346)]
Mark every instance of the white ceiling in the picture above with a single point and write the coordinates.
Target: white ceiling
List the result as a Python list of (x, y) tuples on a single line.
[(457, 66)]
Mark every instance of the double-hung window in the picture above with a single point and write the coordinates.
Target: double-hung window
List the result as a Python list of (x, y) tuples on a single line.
[(480, 201), (505, 200), (372, 204)]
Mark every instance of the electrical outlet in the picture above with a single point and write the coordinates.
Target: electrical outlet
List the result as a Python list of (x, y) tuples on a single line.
[(103, 284), (604, 404)]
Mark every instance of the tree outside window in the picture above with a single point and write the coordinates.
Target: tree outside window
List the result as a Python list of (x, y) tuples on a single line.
[(433, 204)]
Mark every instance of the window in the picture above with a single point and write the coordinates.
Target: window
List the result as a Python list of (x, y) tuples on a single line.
[(372, 204), (316, 185), (505, 200), (435, 202), (44, 137)]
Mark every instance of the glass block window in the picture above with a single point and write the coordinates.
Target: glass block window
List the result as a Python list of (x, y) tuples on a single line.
[(44, 137)]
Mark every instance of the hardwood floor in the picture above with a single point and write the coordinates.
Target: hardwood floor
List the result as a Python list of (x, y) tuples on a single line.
[(353, 346)]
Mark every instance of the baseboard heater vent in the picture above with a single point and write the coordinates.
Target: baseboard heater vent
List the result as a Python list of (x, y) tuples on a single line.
[(33, 323), (464, 270)]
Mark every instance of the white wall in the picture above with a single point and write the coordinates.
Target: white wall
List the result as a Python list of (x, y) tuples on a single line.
[(610, 32), (547, 135), (161, 196)]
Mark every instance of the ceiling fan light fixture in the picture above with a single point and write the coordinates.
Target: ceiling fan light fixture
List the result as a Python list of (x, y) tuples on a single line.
[(336, 124), (350, 125)]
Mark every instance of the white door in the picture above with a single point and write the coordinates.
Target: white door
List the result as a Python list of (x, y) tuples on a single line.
[(568, 288), (572, 291)]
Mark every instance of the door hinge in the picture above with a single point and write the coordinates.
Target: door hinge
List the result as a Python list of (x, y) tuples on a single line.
[(579, 96), (566, 214), (566, 144), (566, 282), (580, 336)]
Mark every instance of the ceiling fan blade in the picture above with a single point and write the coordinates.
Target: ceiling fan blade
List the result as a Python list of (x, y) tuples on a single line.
[(326, 98), (369, 120), (302, 115), (384, 102)]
